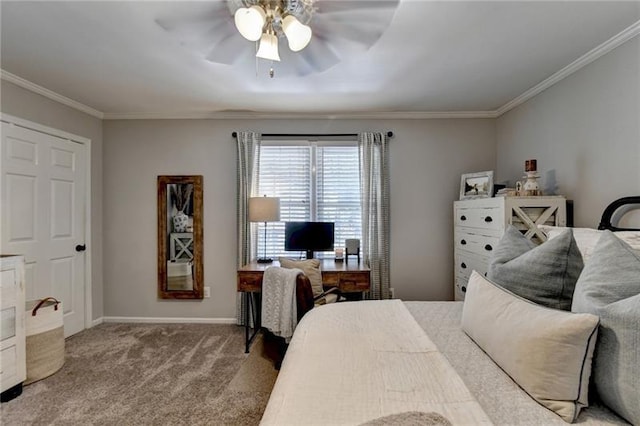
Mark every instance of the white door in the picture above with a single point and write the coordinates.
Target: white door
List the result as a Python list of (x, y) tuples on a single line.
[(42, 216)]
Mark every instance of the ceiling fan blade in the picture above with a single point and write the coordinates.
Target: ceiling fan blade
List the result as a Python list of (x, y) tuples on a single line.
[(229, 49), (376, 17), (207, 28), (333, 6), (214, 35), (319, 54), (363, 32), (353, 26), (193, 17)]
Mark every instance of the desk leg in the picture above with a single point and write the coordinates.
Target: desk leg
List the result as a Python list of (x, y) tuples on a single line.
[(251, 304), (246, 322)]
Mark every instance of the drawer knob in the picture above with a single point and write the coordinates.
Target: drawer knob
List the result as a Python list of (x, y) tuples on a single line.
[(463, 217), (463, 265), (464, 289), (488, 247), (463, 242), (488, 219)]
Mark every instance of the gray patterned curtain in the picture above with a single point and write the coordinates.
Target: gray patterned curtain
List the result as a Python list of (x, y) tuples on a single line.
[(374, 190), (248, 161)]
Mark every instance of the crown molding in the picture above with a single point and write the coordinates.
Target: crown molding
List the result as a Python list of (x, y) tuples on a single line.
[(26, 84), (574, 66), (245, 115), (592, 55)]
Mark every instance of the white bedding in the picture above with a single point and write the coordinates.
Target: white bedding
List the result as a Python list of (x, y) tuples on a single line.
[(378, 352)]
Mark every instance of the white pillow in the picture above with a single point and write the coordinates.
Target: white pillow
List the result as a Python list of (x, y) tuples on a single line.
[(547, 352), (587, 238)]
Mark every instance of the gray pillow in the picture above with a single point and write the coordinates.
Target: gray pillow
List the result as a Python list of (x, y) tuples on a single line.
[(545, 274), (609, 287)]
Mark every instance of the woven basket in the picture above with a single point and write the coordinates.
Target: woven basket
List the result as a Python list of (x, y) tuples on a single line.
[(45, 338)]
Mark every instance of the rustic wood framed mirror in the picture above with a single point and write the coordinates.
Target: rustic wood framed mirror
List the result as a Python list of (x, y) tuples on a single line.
[(180, 272)]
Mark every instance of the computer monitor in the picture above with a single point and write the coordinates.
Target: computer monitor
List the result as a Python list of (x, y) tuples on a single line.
[(308, 237)]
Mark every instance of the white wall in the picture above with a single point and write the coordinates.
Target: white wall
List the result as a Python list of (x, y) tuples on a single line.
[(427, 158), (25, 104), (585, 133)]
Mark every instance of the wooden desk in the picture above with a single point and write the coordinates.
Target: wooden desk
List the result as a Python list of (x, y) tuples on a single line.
[(349, 277), (352, 278)]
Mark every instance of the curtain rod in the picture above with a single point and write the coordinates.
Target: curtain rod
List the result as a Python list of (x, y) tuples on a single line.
[(309, 135)]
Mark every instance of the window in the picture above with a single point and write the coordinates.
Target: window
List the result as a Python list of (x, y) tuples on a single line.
[(315, 181)]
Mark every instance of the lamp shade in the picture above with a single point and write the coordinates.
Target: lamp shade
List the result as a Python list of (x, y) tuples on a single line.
[(264, 209), (298, 34), (250, 21), (268, 47)]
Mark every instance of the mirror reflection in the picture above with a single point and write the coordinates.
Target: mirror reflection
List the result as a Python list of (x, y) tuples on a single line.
[(180, 233), (180, 237)]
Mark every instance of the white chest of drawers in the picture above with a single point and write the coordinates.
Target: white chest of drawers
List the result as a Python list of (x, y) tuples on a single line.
[(12, 327), (479, 224)]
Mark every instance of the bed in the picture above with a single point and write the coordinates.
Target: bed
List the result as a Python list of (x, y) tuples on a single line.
[(386, 362)]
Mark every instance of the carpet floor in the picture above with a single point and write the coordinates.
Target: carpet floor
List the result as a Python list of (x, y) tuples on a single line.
[(150, 374)]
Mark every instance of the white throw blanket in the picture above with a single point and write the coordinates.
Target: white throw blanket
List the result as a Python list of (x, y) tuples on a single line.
[(279, 312)]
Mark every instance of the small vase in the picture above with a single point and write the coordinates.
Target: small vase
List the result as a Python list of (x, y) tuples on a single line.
[(180, 222)]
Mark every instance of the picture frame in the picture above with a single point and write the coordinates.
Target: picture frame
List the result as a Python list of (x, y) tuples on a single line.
[(476, 185)]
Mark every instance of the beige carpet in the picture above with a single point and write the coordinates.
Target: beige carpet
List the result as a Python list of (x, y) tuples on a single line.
[(179, 374), (257, 373)]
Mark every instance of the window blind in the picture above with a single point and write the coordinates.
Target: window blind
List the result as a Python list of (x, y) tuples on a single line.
[(315, 182)]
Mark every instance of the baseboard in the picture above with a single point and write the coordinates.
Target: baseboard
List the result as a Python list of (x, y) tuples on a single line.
[(97, 321), (169, 320)]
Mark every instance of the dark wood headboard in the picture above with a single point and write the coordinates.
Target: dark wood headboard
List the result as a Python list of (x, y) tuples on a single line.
[(605, 222)]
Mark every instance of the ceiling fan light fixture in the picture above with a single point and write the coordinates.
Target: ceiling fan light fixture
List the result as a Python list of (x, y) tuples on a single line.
[(268, 47), (298, 34), (250, 22)]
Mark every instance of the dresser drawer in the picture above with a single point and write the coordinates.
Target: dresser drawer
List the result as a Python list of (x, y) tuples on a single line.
[(250, 281), (330, 279), (8, 288), (9, 370), (474, 242), (465, 262), (8, 319), (354, 282), (481, 218)]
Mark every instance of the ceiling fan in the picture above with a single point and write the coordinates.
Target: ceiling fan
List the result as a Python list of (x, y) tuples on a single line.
[(309, 36)]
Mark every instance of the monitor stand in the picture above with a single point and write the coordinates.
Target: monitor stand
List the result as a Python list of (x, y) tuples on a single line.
[(309, 254)]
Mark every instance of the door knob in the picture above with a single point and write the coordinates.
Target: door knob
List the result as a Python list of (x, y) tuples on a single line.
[(81, 247)]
